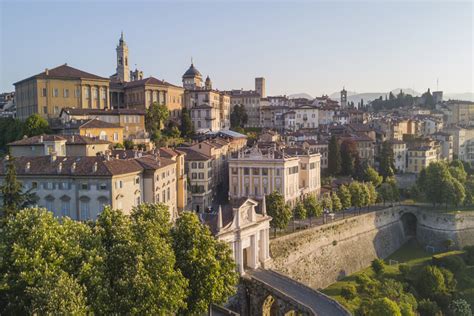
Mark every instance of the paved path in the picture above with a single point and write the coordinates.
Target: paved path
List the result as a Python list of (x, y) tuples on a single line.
[(319, 303)]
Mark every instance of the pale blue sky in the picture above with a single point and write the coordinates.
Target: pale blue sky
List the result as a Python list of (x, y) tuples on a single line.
[(312, 47)]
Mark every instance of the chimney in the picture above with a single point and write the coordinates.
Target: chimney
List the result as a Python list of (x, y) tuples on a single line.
[(72, 139), (41, 139), (27, 167), (46, 71), (60, 167), (73, 167), (264, 206), (219, 218), (94, 168)]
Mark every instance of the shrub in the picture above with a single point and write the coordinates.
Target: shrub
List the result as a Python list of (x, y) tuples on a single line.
[(460, 308), (428, 308), (454, 264), (349, 292), (404, 270), (378, 265), (469, 256), (448, 244), (384, 307), (406, 309), (430, 282)]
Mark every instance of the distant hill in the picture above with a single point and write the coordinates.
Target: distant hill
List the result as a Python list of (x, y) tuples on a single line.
[(300, 95), (369, 96)]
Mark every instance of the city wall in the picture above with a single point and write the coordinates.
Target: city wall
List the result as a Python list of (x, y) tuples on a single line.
[(321, 255)]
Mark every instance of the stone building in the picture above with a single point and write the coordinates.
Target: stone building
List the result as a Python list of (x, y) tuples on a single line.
[(399, 154), (209, 108), (245, 230), (61, 145), (420, 157), (254, 174), (93, 128), (47, 93)]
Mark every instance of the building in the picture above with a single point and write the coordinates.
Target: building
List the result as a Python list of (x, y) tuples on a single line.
[(460, 112), (260, 87), (399, 155), (343, 98), (445, 141), (93, 128), (245, 230), (209, 108), (47, 93), (306, 116), (463, 142), (199, 168), (420, 157), (61, 145), (251, 101), (132, 120), (253, 173)]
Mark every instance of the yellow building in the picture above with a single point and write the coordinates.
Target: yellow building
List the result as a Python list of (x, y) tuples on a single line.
[(420, 157), (94, 128), (61, 87)]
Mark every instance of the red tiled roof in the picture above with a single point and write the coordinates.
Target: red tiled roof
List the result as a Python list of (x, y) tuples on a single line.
[(65, 72)]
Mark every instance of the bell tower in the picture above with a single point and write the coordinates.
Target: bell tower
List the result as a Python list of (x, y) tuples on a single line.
[(343, 98), (123, 70)]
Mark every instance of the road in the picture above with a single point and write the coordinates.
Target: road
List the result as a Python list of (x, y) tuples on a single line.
[(316, 301)]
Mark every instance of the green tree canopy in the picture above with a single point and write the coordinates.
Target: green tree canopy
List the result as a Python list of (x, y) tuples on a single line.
[(385, 307), (300, 211), (238, 117), (336, 202), (155, 118), (334, 156), (207, 266), (278, 210), (371, 175), (35, 125), (187, 129), (344, 196), (349, 154), (387, 160)]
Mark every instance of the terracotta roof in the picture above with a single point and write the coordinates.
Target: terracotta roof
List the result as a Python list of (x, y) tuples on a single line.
[(96, 123), (74, 111), (84, 166), (154, 162), (148, 81), (64, 72), (193, 155), (70, 140)]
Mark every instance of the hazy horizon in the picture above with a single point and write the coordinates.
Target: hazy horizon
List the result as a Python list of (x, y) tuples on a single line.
[(304, 47)]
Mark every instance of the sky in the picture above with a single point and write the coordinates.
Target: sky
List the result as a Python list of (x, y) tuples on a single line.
[(299, 46)]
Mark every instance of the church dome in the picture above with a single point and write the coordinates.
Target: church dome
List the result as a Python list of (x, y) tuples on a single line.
[(192, 72)]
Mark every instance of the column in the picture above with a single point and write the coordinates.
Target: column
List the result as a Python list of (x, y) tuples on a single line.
[(239, 256), (254, 264)]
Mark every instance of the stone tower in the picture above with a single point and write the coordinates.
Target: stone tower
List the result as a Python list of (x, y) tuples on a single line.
[(208, 83), (192, 78), (123, 71), (260, 87), (343, 98)]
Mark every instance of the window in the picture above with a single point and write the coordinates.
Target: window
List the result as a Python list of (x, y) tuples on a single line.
[(102, 186), (194, 175), (116, 136), (277, 172), (234, 170), (84, 186), (95, 93), (201, 165), (264, 171), (65, 209), (77, 93), (169, 194), (50, 205), (66, 93), (246, 171), (45, 92), (201, 175), (34, 185), (86, 89), (194, 165), (55, 92), (137, 180), (85, 211), (255, 171)]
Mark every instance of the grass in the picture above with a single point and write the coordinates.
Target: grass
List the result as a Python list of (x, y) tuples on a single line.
[(413, 255)]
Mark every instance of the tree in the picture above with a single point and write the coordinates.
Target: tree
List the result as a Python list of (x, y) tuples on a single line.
[(299, 212), (385, 307), (13, 197), (156, 116), (36, 257), (427, 307), (372, 193), (378, 265), (385, 192), (387, 160), (428, 99), (460, 308), (206, 265), (187, 129), (336, 202), (431, 282), (357, 198), (373, 176), (334, 156), (278, 210), (349, 154), (313, 208), (454, 192), (456, 169), (326, 203), (349, 291), (35, 125), (238, 117), (345, 196)]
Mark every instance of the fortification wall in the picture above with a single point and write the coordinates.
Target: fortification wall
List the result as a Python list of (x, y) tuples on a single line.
[(321, 255)]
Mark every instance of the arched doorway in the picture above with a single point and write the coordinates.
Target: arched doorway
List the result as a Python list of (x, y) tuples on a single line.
[(409, 222), (270, 306)]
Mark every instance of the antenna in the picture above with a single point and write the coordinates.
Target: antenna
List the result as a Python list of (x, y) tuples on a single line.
[(437, 84)]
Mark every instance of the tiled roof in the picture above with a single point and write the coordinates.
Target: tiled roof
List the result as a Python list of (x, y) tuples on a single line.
[(74, 111), (65, 72), (148, 81), (96, 123), (84, 166), (70, 140), (193, 155)]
